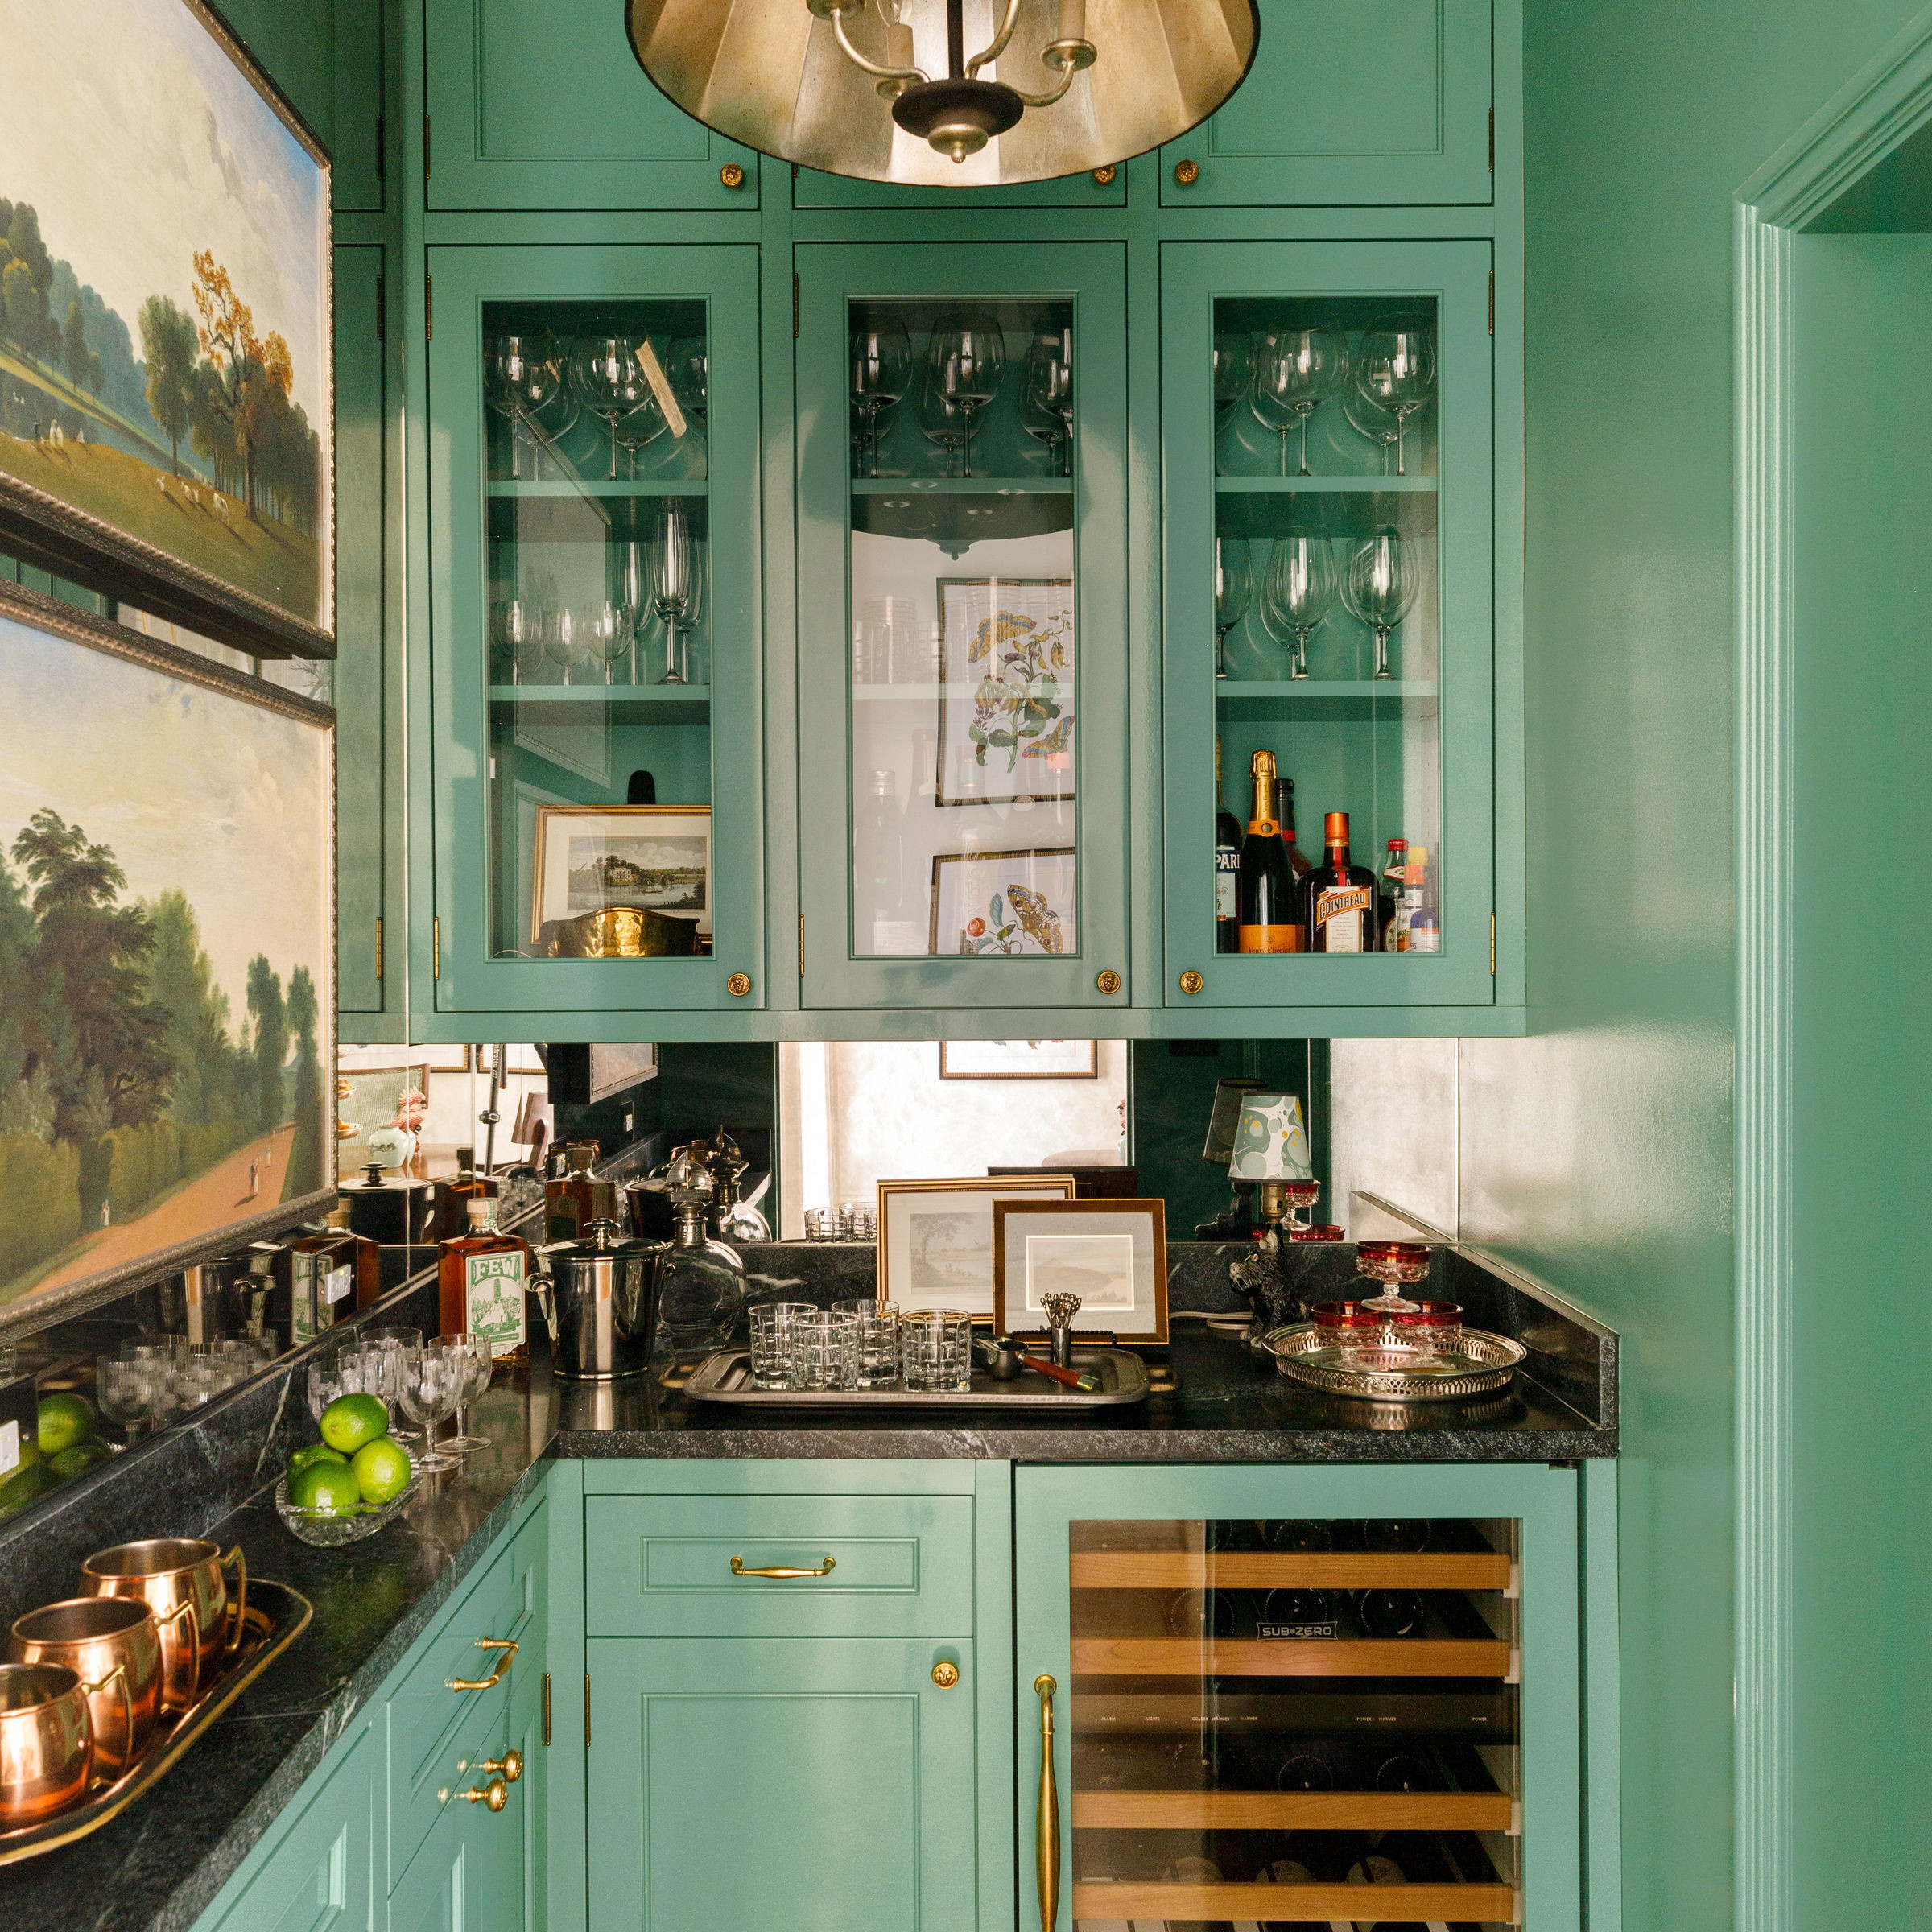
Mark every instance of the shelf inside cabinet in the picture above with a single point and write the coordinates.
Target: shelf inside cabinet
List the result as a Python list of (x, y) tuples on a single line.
[(1325, 1657), (1117, 1810), (608, 703), (1354, 1904), (1270, 1570), (1226, 486), (588, 486), (962, 486), (1366, 505)]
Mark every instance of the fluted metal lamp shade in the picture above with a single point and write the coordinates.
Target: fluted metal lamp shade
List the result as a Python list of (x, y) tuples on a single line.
[(1072, 87)]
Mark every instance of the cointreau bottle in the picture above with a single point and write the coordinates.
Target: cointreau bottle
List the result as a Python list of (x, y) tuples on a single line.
[(1338, 899)]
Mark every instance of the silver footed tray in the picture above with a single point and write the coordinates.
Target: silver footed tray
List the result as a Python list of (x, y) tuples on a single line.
[(1485, 1363), (726, 1377)]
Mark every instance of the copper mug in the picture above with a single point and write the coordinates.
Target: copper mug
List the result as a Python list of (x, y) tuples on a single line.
[(114, 1645), (45, 1752), (180, 1579)]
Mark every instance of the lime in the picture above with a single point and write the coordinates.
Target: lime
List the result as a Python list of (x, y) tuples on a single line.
[(382, 1470), (312, 1452), (330, 1487), (76, 1459), (27, 1485), (65, 1420), (350, 1421)]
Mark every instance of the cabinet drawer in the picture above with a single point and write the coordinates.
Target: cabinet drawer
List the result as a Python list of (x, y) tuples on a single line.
[(901, 1566), (436, 1735)]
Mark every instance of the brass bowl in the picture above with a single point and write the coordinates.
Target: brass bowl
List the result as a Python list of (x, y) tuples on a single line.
[(45, 1751), (114, 1645), (623, 932)]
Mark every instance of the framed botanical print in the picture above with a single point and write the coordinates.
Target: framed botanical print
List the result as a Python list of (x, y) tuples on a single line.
[(936, 1237), (166, 420), (1019, 1060), (591, 857), (1006, 686), (1020, 904), (1112, 1253)]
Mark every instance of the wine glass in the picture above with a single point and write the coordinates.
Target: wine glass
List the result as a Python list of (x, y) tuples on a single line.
[(121, 1389), (520, 377), (1233, 587), (673, 586), (690, 371), (881, 373), (1049, 390), (1296, 370), (609, 380), (965, 362), (479, 1364), (1370, 419), (638, 427), (1233, 371), (604, 633), (1380, 586), (1395, 369), (560, 639), (1299, 592), (432, 1383)]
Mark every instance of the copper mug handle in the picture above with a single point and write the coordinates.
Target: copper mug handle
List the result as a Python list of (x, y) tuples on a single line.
[(127, 1715), (186, 1608), (237, 1607)]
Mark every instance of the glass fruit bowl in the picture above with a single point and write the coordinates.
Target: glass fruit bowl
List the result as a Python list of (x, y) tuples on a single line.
[(333, 1529)]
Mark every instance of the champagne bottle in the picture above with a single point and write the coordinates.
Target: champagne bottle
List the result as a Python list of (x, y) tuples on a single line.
[(1338, 899), (1227, 869), (1270, 920)]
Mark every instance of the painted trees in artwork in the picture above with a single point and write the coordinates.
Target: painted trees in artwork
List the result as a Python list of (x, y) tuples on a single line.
[(169, 344)]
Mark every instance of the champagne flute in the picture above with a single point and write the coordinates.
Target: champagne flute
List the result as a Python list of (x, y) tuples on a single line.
[(1299, 593), (1296, 370), (1370, 419), (965, 363), (520, 377), (1395, 369), (1233, 587), (881, 373), (673, 586), (1379, 587), (610, 381), (1049, 389), (633, 596)]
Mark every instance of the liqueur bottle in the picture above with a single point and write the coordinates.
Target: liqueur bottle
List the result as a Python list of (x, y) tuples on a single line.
[(481, 1277), (1338, 899), (1390, 906), (1425, 930), (1270, 919), (1227, 869)]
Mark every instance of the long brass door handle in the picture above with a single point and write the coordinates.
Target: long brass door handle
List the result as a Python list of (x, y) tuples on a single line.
[(1046, 1813), (824, 1569), (504, 1643)]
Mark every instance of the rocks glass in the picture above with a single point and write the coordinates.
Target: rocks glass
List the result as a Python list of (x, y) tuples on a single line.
[(878, 1340), (771, 1341), (935, 1351), (824, 1350)]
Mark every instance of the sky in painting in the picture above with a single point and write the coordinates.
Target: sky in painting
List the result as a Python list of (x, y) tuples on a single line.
[(190, 788), (139, 142)]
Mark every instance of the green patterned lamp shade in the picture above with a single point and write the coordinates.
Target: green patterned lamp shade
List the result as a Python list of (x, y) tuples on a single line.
[(1271, 1140)]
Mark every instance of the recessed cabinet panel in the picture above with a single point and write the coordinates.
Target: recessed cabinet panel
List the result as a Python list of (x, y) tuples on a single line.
[(815, 189), (547, 107), (1349, 105)]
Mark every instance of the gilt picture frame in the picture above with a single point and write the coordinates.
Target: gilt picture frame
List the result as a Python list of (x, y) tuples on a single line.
[(1019, 904), (1019, 1060), (589, 856), (936, 1237), (1112, 1253), (167, 384)]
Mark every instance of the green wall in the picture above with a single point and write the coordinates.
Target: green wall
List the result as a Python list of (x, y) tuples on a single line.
[(1596, 1153)]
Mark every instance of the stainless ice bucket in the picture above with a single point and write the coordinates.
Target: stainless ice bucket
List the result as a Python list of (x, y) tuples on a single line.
[(599, 1296)]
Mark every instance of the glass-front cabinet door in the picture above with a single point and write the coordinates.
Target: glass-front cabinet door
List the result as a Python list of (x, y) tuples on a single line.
[(1329, 809), (1264, 1696), (963, 616), (596, 676)]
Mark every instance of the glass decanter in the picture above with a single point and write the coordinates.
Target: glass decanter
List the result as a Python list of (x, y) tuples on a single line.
[(701, 1283)]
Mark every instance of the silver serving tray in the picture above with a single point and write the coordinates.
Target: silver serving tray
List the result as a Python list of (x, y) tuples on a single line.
[(726, 1377), (1485, 1363)]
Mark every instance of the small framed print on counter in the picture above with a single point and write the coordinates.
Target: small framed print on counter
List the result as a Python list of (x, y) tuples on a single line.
[(1112, 1253), (1019, 1060), (936, 1237)]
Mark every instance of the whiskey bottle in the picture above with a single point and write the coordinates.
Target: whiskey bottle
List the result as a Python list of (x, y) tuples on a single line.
[(1338, 899), (1227, 869), (1271, 921), (449, 1217), (481, 1277), (576, 1198)]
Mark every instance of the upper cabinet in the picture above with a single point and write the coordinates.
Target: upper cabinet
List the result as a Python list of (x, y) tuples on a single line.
[(962, 654), (546, 107), (1348, 105)]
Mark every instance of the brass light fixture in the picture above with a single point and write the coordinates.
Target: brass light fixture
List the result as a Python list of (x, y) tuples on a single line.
[(1057, 87)]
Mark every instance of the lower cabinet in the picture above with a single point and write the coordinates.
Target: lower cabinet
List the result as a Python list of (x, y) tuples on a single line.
[(472, 1873)]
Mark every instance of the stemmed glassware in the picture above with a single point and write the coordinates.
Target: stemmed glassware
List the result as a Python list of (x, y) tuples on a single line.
[(965, 363), (636, 427), (124, 1390), (1296, 370), (605, 633), (1370, 419), (1233, 372), (519, 637), (1049, 413), (479, 1365), (430, 1387), (881, 373), (676, 572), (520, 377), (689, 368), (1379, 587), (1233, 587), (1395, 369), (1299, 592), (605, 373)]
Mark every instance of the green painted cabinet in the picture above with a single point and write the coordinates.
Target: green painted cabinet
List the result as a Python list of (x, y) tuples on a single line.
[(472, 1874), (546, 107), (1349, 106)]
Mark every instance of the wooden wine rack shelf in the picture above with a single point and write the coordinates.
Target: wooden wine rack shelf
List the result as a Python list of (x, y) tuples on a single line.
[(1292, 1810), (1388, 1656), (1196, 1569), (1356, 1904)]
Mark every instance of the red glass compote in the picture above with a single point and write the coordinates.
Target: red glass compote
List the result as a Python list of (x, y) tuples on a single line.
[(1301, 1197), (1391, 1263)]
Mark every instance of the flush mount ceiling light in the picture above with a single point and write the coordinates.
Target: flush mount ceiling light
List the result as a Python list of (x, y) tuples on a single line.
[(803, 79)]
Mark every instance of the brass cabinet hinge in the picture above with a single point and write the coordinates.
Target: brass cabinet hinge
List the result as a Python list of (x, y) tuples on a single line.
[(378, 946), (436, 948), (801, 945), (586, 1710), (426, 147), (1492, 945), (794, 308), (429, 310), (546, 1706)]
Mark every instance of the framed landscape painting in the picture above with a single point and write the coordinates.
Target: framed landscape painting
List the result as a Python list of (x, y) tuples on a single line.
[(589, 857), (166, 390), (166, 958)]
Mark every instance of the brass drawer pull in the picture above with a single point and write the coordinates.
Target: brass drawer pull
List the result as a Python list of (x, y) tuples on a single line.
[(496, 1677), (825, 1569), (945, 1673), (496, 1794), (1046, 1813), (509, 1765)]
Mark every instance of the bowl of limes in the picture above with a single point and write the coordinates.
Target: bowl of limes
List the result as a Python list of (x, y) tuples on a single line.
[(347, 1486)]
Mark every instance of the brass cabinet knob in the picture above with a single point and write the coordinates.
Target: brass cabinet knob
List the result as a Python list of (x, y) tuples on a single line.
[(1109, 981), (732, 174), (510, 1764), (1102, 177), (495, 1794), (1191, 982), (945, 1673), (1186, 173), (738, 985)]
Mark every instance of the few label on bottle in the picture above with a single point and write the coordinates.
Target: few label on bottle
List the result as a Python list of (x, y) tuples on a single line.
[(492, 1300), (1340, 913)]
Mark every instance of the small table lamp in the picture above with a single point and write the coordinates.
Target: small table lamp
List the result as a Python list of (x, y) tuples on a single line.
[(1271, 1147)]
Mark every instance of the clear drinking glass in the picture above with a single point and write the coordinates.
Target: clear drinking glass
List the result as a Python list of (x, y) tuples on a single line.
[(1299, 594), (878, 1340), (674, 586), (935, 1351), (821, 1224), (1379, 425), (1049, 391), (121, 1389), (823, 1350), (1395, 369), (610, 381), (1296, 370), (1233, 371), (520, 378), (1233, 587), (771, 1341), (479, 1364), (1380, 587), (881, 373), (965, 363), (431, 1386)]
